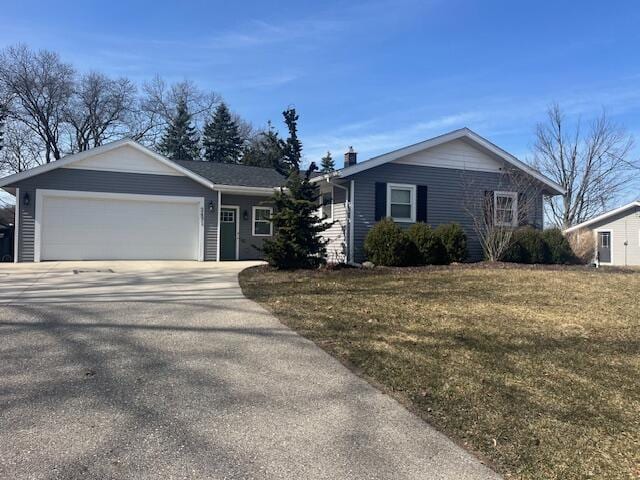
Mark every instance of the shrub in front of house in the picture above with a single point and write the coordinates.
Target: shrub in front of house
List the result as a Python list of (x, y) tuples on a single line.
[(387, 244), (559, 248), (428, 244), (527, 246), (454, 240)]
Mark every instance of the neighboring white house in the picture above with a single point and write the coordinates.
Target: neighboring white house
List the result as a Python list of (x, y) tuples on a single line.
[(617, 235)]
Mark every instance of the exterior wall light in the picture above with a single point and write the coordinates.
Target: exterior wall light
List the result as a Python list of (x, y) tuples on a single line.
[(245, 215), (211, 205), (26, 199)]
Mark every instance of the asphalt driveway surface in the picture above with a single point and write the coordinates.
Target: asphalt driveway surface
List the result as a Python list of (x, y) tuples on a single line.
[(164, 370)]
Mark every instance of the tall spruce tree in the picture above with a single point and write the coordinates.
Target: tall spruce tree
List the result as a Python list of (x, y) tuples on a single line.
[(297, 242), (180, 141), (221, 137), (327, 164), (292, 148)]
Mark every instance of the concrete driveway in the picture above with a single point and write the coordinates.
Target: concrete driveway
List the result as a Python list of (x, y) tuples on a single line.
[(164, 370)]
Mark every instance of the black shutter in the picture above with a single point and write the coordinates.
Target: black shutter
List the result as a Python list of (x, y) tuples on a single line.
[(381, 201), (421, 208), (523, 210), (488, 207)]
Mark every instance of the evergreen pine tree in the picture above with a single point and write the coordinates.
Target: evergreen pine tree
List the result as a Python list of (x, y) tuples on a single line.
[(221, 137), (297, 228), (180, 141), (327, 165), (292, 148)]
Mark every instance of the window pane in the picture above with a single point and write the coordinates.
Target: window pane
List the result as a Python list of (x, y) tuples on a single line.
[(262, 214), (263, 228), (505, 216), (400, 195), (401, 211), (504, 203)]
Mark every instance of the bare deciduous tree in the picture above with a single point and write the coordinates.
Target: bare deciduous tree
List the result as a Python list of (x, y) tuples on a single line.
[(40, 86), (592, 166), (158, 106), (493, 215), (21, 151), (99, 110)]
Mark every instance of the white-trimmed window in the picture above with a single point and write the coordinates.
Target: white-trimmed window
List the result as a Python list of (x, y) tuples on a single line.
[(401, 202), (505, 209), (262, 226), (325, 212)]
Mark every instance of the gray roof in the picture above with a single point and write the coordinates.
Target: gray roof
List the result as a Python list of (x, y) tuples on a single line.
[(232, 174)]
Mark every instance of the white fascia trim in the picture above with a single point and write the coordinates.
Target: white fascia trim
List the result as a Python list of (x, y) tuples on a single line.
[(241, 190), (603, 216), (42, 193), (439, 140), (77, 157), (253, 221), (16, 227)]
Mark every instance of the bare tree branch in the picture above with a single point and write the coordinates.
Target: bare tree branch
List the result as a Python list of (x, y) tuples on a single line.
[(40, 86), (593, 167)]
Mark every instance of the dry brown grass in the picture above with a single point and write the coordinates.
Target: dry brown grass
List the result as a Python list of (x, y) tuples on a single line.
[(536, 369)]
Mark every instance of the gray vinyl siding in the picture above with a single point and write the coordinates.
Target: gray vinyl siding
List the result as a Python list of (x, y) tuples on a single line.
[(624, 227), (336, 235), (111, 182), (249, 247), (448, 194)]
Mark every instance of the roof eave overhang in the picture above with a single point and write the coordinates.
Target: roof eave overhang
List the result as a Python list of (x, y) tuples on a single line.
[(604, 216), (77, 157), (551, 187)]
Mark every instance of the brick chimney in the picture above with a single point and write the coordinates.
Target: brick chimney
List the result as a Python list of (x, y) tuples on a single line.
[(350, 158)]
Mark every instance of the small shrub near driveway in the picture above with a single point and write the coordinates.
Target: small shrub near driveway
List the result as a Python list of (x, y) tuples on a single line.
[(454, 240), (428, 244), (387, 244)]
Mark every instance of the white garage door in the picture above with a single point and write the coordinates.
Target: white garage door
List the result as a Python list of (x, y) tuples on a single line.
[(85, 226)]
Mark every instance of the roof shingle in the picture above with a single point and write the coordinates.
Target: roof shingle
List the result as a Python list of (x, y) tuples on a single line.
[(233, 174)]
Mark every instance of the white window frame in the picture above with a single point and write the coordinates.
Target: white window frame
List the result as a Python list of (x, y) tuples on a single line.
[(320, 200), (412, 197), (253, 221), (514, 208)]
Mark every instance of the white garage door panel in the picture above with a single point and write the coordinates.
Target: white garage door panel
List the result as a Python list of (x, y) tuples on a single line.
[(83, 228)]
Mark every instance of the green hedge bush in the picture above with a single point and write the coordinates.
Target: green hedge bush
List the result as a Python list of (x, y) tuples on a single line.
[(559, 247), (387, 244), (428, 244), (527, 246), (454, 240)]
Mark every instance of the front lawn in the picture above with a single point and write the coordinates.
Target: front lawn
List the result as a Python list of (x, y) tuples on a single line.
[(536, 369)]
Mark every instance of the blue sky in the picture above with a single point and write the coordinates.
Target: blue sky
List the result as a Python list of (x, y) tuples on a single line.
[(376, 75)]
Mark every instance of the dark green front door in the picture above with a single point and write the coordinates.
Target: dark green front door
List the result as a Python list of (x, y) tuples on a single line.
[(228, 228)]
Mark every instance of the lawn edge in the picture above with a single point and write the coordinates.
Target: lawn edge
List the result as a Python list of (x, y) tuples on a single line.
[(401, 399)]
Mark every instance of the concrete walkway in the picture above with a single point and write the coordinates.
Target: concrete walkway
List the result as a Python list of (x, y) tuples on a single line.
[(164, 370)]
